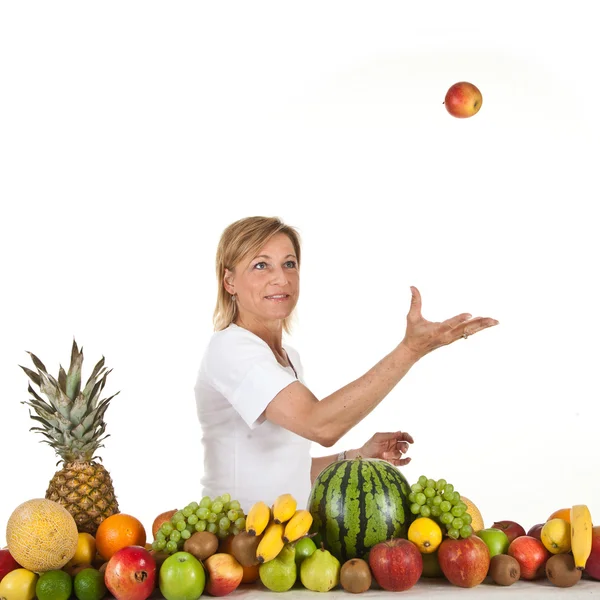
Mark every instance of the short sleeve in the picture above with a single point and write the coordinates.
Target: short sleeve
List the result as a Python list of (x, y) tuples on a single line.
[(244, 370)]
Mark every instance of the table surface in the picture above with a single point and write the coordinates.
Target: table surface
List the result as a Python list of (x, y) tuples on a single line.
[(426, 588)]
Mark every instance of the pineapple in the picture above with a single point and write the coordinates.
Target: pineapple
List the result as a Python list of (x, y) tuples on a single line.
[(73, 423)]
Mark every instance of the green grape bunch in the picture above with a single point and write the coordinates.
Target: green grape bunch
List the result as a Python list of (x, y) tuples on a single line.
[(221, 516), (439, 501)]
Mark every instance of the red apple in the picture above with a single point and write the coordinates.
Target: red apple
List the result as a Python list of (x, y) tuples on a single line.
[(531, 556), (536, 531), (511, 529), (164, 517), (465, 562), (396, 564), (7, 563), (592, 566), (131, 574), (463, 100), (224, 574)]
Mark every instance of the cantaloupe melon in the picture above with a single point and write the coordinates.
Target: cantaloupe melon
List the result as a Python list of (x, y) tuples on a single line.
[(41, 535), (477, 519)]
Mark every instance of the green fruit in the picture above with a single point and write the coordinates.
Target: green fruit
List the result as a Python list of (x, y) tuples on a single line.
[(358, 503), (89, 585), (54, 585), (279, 574), (431, 565), (304, 548), (320, 572)]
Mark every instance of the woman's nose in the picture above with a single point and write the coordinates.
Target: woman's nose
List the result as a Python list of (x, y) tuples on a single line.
[(279, 276)]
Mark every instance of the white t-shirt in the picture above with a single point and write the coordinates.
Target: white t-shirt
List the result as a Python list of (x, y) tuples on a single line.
[(244, 454)]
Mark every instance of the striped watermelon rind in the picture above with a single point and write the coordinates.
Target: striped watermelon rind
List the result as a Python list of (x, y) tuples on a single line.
[(358, 503)]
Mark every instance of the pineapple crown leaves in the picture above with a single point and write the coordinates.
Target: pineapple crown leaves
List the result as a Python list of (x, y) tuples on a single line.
[(72, 420)]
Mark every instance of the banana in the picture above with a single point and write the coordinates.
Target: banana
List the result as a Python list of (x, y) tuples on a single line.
[(258, 518), (298, 526), (581, 534), (271, 543), (284, 508)]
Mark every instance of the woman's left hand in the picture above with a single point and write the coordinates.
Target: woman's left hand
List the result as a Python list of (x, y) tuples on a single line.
[(388, 446)]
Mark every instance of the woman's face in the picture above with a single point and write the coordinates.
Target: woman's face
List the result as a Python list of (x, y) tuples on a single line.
[(266, 285)]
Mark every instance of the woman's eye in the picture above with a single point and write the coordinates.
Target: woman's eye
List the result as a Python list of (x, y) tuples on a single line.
[(292, 263), (258, 265)]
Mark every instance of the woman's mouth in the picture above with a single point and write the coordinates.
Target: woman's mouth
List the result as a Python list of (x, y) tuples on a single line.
[(278, 297)]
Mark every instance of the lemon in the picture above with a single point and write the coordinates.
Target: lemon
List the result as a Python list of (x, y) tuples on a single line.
[(89, 585), (18, 585), (426, 534), (556, 536), (54, 585), (85, 552)]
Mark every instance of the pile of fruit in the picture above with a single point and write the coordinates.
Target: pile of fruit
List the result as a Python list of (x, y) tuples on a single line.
[(363, 527), (278, 548)]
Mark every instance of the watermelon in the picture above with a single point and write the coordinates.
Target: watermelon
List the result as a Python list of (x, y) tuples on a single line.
[(358, 503)]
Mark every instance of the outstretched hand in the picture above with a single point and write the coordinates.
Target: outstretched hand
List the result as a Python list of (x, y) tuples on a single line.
[(423, 336), (388, 446)]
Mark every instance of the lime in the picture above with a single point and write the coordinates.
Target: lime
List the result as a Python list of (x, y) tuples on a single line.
[(54, 585), (89, 585), (304, 548)]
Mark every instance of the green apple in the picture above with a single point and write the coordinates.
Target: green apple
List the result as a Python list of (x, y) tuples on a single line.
[(495, 539), (181, 577)]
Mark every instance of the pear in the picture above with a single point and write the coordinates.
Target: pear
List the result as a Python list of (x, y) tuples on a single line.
[(320, 572), (279, 574)]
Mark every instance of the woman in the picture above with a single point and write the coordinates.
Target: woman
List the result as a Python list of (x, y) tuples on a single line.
[(258, 417)]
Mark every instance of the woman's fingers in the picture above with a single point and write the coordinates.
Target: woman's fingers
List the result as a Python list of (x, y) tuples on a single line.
[(398, 436), (457, 320), (476, 325), (414, 313), (403, 447)]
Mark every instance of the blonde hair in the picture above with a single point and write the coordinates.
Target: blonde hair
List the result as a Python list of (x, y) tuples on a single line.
[(242, 238)]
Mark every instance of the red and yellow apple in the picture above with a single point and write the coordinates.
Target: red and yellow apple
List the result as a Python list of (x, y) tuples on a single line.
[(463, 100), (396, 564), (531, 555), (164, 517), (465, 562), (224, 574)]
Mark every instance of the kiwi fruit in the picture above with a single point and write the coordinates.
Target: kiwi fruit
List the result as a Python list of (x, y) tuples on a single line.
[(355, 576), (201, 544), (243, 548), (504, 569), (561, 570)]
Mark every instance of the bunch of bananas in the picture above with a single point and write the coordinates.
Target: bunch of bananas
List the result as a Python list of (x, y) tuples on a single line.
[(281, 524)]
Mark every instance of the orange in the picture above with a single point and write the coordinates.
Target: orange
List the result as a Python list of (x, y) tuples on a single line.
[(251, 574), (119, 531), (562, 513)]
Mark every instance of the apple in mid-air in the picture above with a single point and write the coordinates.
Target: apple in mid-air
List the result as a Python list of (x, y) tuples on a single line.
[(463, 100)]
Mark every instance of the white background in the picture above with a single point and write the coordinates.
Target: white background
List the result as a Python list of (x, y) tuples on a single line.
[(132, 134)]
